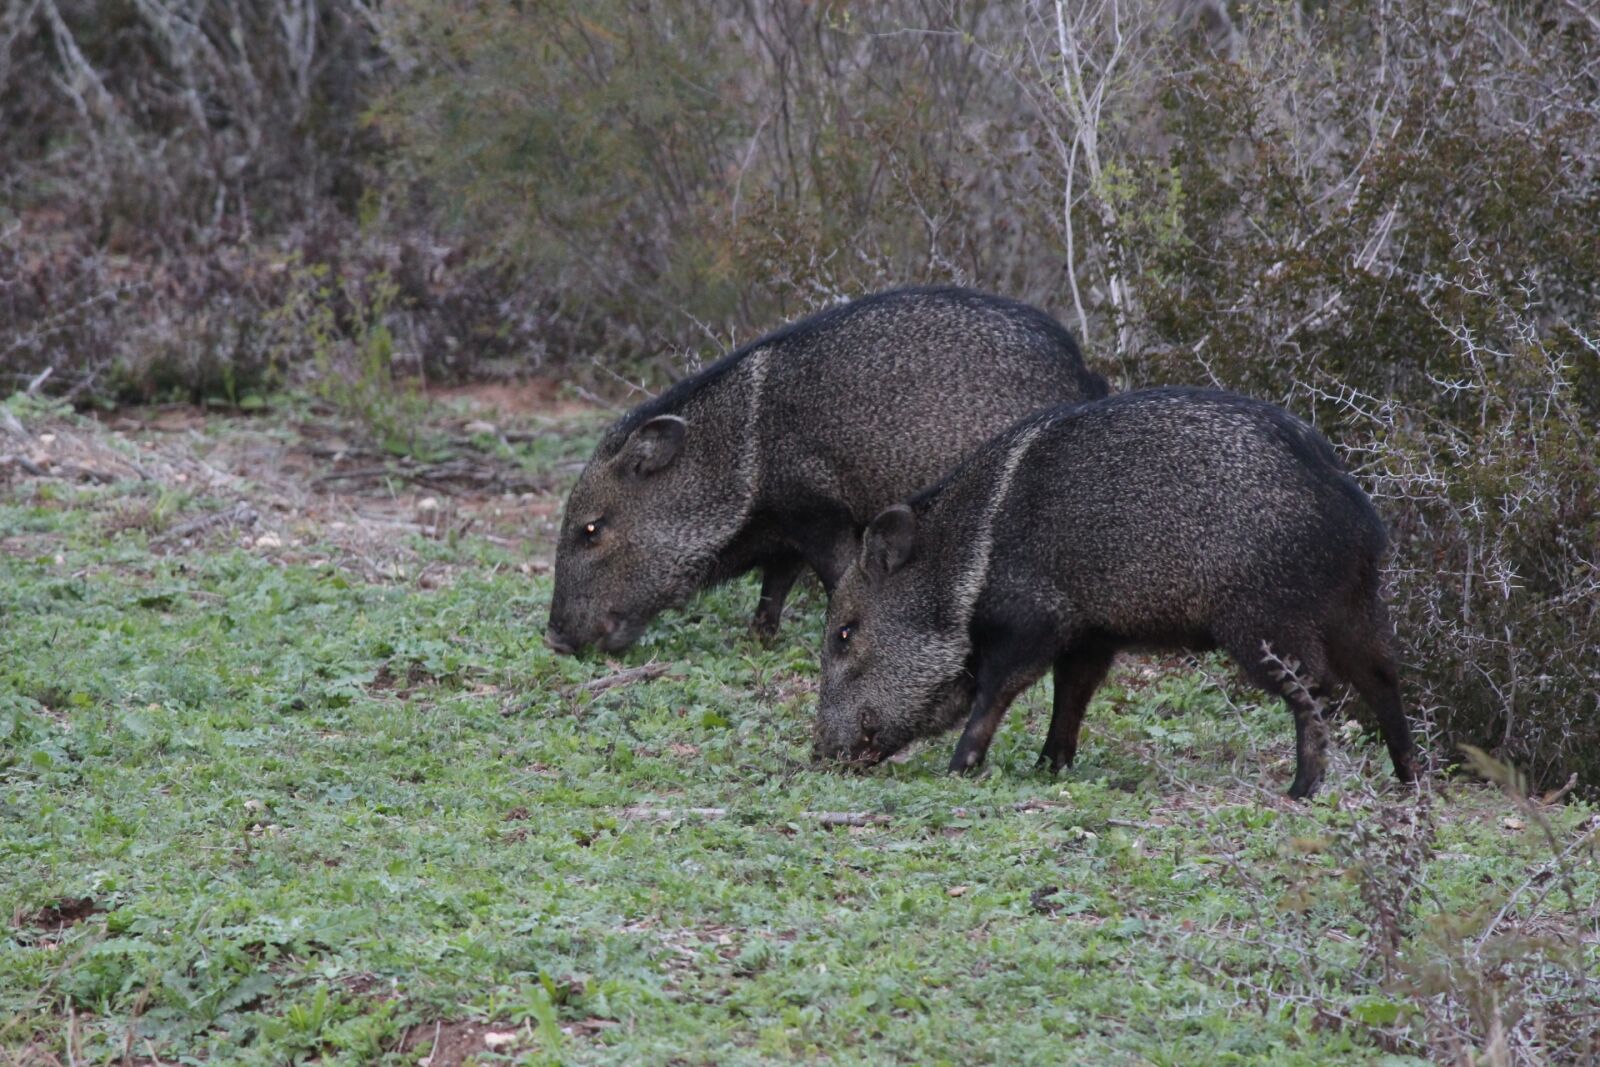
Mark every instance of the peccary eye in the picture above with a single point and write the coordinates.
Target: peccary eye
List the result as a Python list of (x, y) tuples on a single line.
[(591, 530), (844, 635)]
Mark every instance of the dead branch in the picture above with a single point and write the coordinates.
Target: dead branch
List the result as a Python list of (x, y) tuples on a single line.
[(240, 514), (646, 813), (631, 676)]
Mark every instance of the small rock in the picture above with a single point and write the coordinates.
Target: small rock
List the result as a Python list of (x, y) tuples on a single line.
[(269, 540), (957, 891), (428, 503), (478, 426), (500, 1038)]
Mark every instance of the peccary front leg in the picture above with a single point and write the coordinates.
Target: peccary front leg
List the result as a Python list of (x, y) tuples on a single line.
[(777, 578), (1005, 666), (1078, 673), (1311, 744)]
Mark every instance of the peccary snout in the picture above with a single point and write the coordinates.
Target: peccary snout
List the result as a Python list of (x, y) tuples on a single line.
[(569, 632)]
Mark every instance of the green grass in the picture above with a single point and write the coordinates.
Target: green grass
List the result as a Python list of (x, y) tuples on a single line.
[(317, 813)]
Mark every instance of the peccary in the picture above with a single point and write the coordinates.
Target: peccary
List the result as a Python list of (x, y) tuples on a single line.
[(777, 455), (1168, 518)]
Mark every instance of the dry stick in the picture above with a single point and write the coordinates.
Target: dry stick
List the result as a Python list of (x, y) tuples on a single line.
[(822, 818), (1550, 798), (631, 676), (240, 514)]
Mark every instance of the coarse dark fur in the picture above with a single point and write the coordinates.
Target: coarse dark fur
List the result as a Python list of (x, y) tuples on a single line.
[(777, 455), (1169, 518)]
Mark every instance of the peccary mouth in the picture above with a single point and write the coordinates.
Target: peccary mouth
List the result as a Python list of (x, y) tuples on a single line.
[(621, 638), (857, 758)]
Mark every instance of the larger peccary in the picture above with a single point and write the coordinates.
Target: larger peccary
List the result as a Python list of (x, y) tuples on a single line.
[(777, 455), (1169, 518)]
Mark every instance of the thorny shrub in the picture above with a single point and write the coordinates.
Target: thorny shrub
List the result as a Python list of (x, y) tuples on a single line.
[(1364, 941), (1378, 227)]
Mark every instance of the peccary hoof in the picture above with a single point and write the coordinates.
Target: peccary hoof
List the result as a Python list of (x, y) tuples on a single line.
[(966, 761), (765, 628), (1301, 789), (1053, 761)]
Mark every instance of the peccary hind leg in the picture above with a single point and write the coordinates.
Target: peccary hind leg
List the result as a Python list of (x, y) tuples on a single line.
[(1363, 659), (1078, 673), (777, 578), (1298, 675)]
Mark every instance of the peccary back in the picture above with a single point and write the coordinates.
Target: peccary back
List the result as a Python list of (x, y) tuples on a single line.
[(776, 456), (1158, 519)]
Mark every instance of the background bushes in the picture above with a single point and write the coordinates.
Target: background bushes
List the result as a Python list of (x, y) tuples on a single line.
[(1380, 214)]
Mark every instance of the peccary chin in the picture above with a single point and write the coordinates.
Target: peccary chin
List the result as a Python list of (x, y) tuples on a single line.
[(791, 444), (1161, 519)]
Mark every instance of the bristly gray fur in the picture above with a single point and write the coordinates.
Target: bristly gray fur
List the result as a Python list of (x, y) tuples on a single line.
[(792, 443), (1166, 518)]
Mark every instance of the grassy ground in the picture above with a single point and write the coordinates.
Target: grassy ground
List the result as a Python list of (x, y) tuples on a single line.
[(286, 774)]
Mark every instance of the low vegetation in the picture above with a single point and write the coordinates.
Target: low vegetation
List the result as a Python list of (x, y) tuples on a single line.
[(287, 775)]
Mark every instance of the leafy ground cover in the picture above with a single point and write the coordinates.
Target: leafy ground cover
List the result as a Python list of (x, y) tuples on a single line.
[(287, 775)]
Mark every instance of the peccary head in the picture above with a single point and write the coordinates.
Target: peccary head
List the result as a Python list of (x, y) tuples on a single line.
[(640, 533), (893, 658)]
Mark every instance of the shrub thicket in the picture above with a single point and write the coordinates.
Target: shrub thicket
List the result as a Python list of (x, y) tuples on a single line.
[(1381, 224)]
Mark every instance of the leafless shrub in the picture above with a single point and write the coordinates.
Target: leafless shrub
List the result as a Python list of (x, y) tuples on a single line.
[(1365, 941)]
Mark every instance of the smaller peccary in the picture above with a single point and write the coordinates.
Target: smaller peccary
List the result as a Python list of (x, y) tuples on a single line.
[(1170, 518), (777, 455)]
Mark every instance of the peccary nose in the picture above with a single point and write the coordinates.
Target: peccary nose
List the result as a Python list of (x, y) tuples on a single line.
[(558, 642)]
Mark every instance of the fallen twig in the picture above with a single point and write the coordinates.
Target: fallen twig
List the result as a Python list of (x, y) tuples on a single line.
[(1555, 795), (826, 818), (846, 818), (822, 818), (446, 476), (240, 514), (631, 676)]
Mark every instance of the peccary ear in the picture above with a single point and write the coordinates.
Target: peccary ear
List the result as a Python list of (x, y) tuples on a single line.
[(886, 545), (654, 445)]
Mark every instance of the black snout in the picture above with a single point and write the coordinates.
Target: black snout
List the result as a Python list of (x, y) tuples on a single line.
[(859, 754)]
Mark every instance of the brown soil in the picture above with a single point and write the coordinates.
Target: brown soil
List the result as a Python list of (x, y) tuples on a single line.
[(537, 397), (450, 1044), (66, 912), (315, 492)]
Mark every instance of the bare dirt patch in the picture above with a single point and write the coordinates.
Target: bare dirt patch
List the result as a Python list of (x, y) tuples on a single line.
[(450, 1044), (539, 397), (69, 911), (311, 490)]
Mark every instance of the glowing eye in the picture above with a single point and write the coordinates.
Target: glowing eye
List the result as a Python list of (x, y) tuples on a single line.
[(844, 635), (592, 529)]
